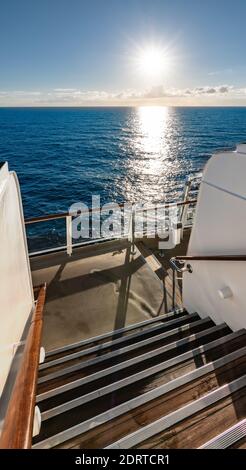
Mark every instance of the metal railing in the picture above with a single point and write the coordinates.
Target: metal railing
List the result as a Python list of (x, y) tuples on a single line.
[(68, 216), (211, 258)]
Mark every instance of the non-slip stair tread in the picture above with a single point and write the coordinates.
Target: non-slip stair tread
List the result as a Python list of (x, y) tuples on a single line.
[(226, 369), (126, 392), (144, 345), (116, 363), (104, 435), (228, 438), (132, 338), (193, 432), (160, 432), (100, 392), (154, 376), (96, 340)]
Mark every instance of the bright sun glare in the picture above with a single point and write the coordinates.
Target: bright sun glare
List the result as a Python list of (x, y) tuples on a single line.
[(152, 61)]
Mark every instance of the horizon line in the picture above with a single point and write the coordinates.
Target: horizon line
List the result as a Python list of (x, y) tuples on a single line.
[(125, 106)]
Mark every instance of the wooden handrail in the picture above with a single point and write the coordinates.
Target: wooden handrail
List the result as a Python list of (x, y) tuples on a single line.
[(63, 215), (18, 422), (212, 258)]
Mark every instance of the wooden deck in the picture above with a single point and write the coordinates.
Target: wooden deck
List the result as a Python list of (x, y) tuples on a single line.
[(174, 383)]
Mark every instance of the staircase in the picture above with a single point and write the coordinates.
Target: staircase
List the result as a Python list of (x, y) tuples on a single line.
[(175, 381)]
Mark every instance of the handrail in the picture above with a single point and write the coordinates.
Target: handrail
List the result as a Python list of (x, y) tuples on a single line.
[(211, 258), (62, 215), (18, 423)]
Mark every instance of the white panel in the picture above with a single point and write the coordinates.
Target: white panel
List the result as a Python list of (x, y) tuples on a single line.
[(16, 295), (219, 229), (226, 170)]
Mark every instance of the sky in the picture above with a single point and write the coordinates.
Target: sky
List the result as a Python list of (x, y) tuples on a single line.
[(122, 52)]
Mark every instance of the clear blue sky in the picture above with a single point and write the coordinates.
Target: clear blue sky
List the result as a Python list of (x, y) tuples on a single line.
[(87, 51)]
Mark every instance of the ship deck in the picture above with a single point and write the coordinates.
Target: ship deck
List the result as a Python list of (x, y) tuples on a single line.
[(102, 288)]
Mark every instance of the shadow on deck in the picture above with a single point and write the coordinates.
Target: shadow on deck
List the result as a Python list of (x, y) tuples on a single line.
[(98, 289)]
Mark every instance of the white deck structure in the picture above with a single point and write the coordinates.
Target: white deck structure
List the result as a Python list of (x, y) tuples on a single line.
[(217, 288)]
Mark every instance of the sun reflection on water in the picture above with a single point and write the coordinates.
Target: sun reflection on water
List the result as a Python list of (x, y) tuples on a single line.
[(152, 135), (152, 154)]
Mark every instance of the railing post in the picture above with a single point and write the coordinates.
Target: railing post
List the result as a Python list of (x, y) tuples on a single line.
[(174, 288), (184, 218), (133, 229), (131, 233), (184, 208), (69, 234)]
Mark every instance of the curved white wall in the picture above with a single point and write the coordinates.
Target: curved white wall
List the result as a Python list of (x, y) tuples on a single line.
[(16, 293), (219, 229)]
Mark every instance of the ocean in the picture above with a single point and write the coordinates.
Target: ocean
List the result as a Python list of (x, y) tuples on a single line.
[(66, 155)]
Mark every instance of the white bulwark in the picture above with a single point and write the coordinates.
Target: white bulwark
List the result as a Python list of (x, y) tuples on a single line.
[(16, 291), (219, 229)]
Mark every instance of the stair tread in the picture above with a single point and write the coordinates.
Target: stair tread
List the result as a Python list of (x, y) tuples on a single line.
[(154, 375), (163, 432), (100, 392), (159, 405), (193, 432), (122, 361)]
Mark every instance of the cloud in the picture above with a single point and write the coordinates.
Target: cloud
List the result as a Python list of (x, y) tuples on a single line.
[(205, 90), (220, 72), (224, 89), (161, 92), (25, 93), (64, 90), (157, 94)]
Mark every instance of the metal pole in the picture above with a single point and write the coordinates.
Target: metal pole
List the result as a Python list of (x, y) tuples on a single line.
[(185, 197), (133, 250), (174, 282), (69, 234)]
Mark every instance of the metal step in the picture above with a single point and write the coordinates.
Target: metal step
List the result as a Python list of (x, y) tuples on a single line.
[(227, 438), (134, 337), (119, 356), (167, 422), (50, 355), (122, 384), (153, 400), (166, 336), (133, 365), (192, 358), (241, 444)]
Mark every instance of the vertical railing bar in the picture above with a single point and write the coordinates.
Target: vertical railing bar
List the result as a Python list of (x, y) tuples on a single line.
[(133, 249), (69, 235), (185, 196), (174, 288), (130, 228)]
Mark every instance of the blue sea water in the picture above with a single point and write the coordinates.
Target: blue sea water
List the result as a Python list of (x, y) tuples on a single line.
[(64, 155)]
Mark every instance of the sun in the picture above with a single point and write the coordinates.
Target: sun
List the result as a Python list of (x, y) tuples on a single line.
[(152, 61)]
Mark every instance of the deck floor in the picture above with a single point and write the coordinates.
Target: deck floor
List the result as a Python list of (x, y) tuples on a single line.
[(98, 289)]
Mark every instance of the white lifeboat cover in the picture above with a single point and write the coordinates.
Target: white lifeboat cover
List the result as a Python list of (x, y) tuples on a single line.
[(16, 293)]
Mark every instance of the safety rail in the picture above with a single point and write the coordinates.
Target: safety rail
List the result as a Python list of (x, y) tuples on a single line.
[(212, 258), (18, 423), (69, 215)]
